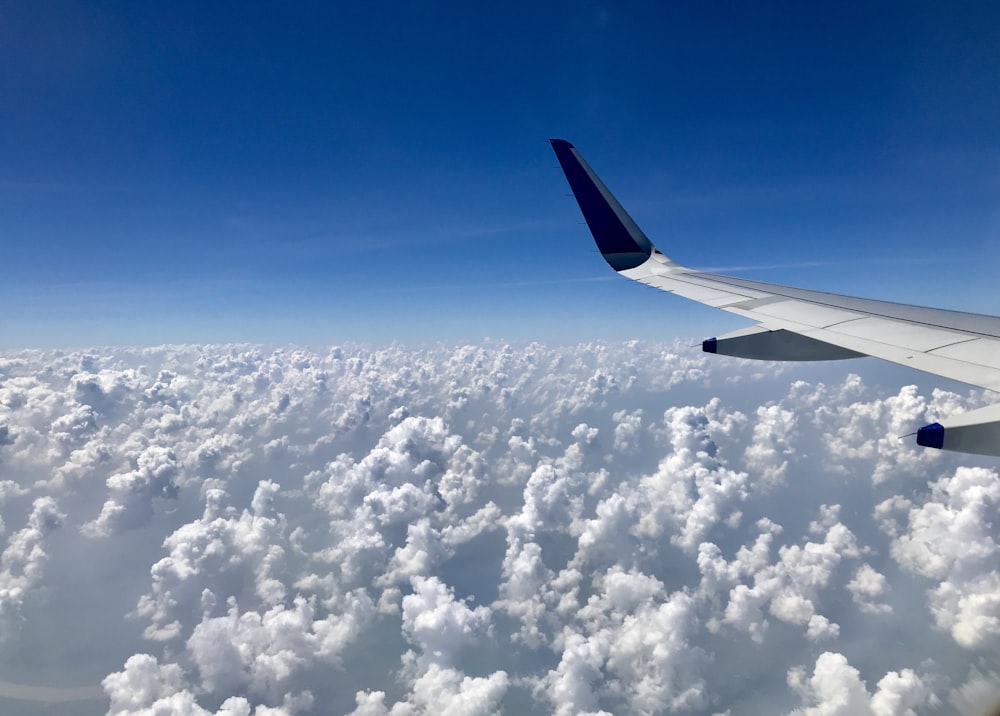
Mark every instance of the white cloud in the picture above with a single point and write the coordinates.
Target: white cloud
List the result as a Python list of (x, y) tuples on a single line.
[(836, 689), (866, 587), (788, 588), (630, 642), (440, 627), (438, 624), (132, 493), (952, 540), (221, 550), (571, 686), (146, 688), (771, 445), (692, 487), (490, 529), (628, 431), (22, 561), (260, 653), (440, 690)]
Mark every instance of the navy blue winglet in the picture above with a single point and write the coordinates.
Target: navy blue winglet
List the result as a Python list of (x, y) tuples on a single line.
[(620, 241)]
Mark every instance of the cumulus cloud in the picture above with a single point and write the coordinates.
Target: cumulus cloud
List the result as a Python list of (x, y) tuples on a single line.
[(148, 688), (441, 628), (692, 488), (951, 539), (632, 642), (772, 443), (222, 551), (602, 528), (438, 624), (23, 559), (836, 689), (440, 690), (866, 587), (133, 492)]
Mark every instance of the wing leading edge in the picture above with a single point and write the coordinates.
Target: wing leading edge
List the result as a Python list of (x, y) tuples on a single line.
[(799, 324)]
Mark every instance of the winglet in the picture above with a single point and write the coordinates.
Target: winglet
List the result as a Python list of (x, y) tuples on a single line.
[(620, 241)]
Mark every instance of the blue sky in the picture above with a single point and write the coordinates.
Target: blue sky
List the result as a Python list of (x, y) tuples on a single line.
[(195, 172)]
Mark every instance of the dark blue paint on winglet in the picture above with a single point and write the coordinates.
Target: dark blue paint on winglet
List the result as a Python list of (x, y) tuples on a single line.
[(931, 436), (620, 241), (710, 345)]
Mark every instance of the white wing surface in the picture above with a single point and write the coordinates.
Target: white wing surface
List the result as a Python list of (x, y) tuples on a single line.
[(799, 324)]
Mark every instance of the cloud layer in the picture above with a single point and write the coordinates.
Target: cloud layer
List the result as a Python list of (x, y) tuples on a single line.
[(626, 528)]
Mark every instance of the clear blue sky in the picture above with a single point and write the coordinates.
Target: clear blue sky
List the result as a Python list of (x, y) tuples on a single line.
[(315, 173)]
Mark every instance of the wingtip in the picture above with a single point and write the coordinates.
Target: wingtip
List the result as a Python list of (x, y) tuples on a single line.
[(619, 240)]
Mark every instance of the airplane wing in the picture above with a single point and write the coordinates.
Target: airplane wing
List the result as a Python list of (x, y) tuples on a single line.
[(799, 324)]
